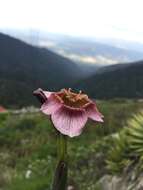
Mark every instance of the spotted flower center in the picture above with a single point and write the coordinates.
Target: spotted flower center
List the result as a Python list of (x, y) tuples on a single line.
[(69, 98)]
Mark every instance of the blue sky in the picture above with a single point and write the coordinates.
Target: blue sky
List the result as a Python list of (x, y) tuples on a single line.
[(93, 18)]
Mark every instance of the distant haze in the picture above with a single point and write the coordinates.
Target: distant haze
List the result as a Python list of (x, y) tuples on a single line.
[(93, 18)]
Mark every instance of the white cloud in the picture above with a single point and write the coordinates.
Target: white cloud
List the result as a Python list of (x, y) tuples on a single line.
[(104, 18)]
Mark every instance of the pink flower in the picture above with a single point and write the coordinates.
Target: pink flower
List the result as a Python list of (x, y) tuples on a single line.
[(69, 111)]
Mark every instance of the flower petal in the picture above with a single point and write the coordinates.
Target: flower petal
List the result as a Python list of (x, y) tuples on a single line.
[(93, 112), (69, 122), (42, 95), (51, 105)]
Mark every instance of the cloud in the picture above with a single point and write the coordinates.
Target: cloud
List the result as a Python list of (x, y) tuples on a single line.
[(76, 17)]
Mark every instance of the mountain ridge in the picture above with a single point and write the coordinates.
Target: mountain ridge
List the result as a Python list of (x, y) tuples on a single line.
[(126, 81), (33, 67), (84, 49)]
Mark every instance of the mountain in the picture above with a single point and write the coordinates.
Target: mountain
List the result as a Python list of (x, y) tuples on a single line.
[(118, 81), (91, 51), (23, 68), (124, 44)]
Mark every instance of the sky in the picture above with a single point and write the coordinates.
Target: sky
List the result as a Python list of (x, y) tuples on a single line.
[(92, 18)]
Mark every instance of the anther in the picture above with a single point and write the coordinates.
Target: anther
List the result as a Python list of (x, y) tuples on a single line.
[(69, 90)]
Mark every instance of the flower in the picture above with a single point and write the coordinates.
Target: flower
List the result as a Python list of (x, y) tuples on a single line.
[(69, 111)]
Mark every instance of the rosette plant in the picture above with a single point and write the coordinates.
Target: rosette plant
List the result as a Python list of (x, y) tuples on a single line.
[(69, 112)]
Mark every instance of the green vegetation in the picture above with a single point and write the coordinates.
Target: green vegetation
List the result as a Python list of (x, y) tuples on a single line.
[(28, 148), (128, 146)]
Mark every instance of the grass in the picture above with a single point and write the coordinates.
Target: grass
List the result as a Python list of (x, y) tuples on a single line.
[(28, 143)]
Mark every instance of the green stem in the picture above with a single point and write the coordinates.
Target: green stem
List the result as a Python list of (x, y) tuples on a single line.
[(60, 178)]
